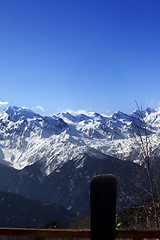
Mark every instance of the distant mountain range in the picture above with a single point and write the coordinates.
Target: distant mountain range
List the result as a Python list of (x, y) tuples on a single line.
[(54, 158), (17, 211), (27, 137)]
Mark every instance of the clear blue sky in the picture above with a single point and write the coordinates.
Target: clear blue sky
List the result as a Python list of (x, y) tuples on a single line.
[(96, 55)]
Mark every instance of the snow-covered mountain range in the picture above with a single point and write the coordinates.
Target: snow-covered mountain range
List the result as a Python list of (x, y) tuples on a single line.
[(27, 137), (54, 158)]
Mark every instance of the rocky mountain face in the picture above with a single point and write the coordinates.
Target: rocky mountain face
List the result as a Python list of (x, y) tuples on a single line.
[(30, 213), (54, 158), (68, 185)]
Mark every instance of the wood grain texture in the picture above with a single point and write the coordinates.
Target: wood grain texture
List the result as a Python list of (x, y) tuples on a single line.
[(77, 233)]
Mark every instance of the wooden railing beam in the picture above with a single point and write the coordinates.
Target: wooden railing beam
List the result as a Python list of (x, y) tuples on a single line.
[(77, 233), (53, 233)]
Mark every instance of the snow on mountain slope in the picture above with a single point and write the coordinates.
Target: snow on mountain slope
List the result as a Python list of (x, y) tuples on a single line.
[(27, 137)]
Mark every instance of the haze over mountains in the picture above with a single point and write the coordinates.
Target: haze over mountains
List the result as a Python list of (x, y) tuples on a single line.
[(54, 158)]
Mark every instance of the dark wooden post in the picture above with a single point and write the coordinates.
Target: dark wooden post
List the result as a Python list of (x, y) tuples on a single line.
[(103, 192)]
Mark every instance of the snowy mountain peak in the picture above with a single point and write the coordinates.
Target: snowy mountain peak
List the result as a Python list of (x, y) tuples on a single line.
[(151, 110), (16, 113), (120, 115), (27, 137), (11, 110), (144, 113)]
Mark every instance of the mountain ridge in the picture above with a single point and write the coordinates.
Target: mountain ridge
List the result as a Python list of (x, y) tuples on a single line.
[(27, 137), (54, 158), (30, 212)]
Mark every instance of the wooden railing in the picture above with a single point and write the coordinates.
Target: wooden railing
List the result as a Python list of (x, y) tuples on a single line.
[(77, 233)]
